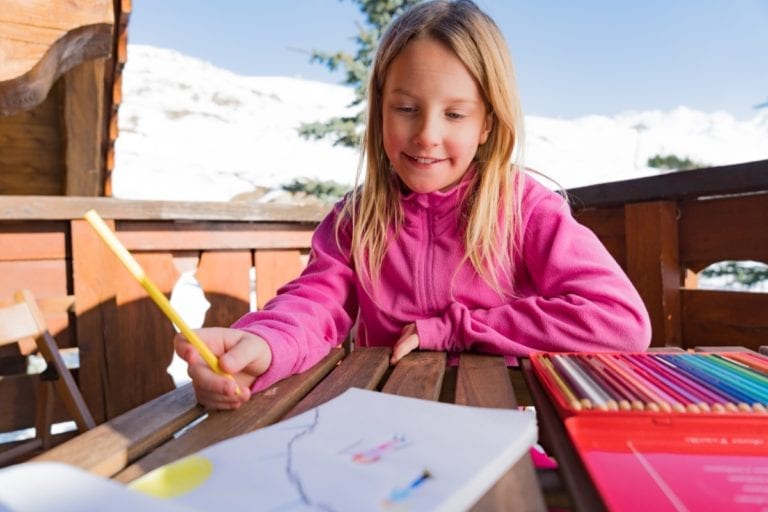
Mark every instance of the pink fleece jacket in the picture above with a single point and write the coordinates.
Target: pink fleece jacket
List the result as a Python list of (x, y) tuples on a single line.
[(569, 293)]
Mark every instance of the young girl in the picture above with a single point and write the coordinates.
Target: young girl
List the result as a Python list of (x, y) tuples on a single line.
[(446, 246)]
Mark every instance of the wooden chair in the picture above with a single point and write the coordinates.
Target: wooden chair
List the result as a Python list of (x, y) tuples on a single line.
[(22, 320)]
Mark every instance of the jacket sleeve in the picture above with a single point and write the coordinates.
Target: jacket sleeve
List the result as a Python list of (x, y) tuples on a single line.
[(311, 314), (583, 299)]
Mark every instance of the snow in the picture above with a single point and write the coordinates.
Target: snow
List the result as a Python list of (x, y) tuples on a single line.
[(190, 131)]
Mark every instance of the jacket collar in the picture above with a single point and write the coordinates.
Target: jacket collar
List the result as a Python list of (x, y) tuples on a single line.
[(441, 202)]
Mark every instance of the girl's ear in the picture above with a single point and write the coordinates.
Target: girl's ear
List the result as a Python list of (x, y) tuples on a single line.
[(486, 128)]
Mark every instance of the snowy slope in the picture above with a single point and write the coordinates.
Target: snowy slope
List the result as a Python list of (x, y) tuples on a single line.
[(191, 131)]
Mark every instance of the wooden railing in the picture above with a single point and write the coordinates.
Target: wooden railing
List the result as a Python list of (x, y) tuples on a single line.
[(661, 230), (665, 229), (124, 340)]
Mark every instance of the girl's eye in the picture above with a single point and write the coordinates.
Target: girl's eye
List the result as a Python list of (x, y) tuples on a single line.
[(454, 115), (406, 109)]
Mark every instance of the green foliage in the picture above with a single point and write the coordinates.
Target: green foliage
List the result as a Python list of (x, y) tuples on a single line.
[(673, 163), (327, 191), (747, 274), (346, 129)]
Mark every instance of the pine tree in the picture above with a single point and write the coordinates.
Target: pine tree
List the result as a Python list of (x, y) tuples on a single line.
[(673, 163), (747, 274), (346, 129)]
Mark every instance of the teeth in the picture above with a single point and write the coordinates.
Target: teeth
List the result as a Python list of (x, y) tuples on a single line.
[(425, 160)]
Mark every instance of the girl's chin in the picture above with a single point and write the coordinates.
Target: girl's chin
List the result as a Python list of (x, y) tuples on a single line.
[(428, 188), (421, 188)]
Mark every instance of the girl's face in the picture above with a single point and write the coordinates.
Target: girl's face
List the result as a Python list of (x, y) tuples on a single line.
[(434, 116)]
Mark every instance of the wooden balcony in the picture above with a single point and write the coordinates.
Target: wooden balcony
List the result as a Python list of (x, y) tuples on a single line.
[(662, 230)]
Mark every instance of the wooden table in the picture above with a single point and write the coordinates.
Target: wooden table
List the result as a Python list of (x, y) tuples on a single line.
[(142, 439)]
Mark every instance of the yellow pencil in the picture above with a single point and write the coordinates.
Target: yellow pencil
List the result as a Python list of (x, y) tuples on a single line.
[(154, 292)]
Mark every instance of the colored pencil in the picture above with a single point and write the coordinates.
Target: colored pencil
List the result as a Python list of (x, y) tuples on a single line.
[(747, 384), (586, 392), (718, 401), (635, 400), (756, 361), (652, 383), (742, 369), (613, 387), (692, 366), (680, 382), (569, 395), (684, 400), (698, 396), (654, 402), (611, 400)]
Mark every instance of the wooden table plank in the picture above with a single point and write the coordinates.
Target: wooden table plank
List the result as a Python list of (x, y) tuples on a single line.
[(483, 381), (108, 448), (553, 435), (665, 349), (261, 410), (715, 349), (362, 368), (418, 375)]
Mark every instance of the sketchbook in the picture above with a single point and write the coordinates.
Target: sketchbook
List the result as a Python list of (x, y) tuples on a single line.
[(361, 451), (669, 452)]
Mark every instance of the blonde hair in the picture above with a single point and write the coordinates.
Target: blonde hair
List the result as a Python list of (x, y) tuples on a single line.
[(491, 203)]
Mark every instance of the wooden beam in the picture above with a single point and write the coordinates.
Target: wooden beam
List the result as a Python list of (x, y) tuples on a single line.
[(41, 41), (215, 235), (713, 181), (729, 228), (66, 208), (653, 266), (83, 129), (33, 241), (718, 317)]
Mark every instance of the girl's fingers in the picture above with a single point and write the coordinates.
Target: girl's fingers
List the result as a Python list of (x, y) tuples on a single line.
[(250, 355), (206, 379), (184, 349), (240, 354), (398, 352), (403, 347), (217, 401)]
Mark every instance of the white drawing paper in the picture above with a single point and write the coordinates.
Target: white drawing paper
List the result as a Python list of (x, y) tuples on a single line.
[(362, 451)]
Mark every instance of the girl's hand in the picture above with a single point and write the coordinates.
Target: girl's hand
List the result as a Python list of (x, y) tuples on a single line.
[(241, 354), (408, 342)]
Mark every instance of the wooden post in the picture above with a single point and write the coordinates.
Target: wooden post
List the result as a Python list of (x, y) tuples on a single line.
[(273, 270), (139, 357), (653, 265), (83, 126), (223, 275), (94, 270)]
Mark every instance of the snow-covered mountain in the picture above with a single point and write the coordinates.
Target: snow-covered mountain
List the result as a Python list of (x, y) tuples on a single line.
[(192, 131)]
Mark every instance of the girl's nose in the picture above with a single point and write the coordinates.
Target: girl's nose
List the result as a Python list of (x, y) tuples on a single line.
[(427, 133)]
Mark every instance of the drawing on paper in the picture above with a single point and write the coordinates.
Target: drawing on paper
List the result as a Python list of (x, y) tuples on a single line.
[(363, 451), (400, 494), (375, 453)]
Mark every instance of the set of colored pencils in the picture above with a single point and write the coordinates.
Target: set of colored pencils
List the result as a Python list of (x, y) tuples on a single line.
[(659, 382)]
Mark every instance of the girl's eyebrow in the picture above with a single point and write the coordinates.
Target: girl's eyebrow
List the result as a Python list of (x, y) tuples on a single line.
[(403, 92)]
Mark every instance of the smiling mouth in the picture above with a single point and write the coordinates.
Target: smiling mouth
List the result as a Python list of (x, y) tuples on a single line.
[(424, 160)]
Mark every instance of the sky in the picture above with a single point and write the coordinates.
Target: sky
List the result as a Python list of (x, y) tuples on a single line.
[(572, 58)]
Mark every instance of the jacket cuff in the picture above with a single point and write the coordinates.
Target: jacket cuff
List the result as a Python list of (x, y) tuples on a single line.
[(434, 334)]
